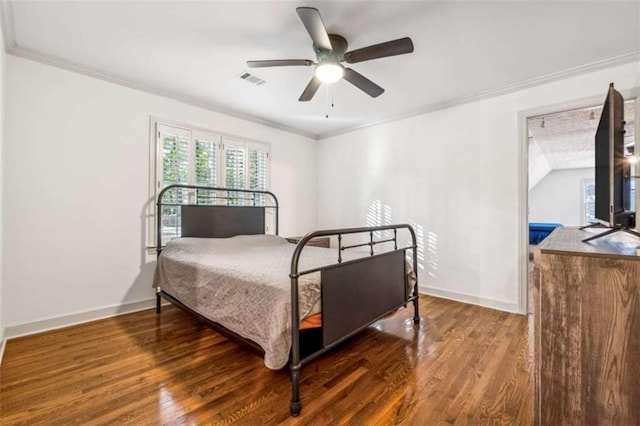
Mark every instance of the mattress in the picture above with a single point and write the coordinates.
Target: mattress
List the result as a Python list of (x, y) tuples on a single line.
[(243, 283)]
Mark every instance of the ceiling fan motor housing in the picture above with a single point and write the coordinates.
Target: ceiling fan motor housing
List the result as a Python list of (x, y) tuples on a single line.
[(339, 47)]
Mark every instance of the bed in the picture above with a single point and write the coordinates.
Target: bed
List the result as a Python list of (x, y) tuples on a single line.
[(291, 303)]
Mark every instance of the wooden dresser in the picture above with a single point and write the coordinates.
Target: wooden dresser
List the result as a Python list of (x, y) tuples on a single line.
[(587, 329)]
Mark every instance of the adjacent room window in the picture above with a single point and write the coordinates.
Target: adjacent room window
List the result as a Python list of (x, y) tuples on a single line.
[(199, 157), (588, 201)]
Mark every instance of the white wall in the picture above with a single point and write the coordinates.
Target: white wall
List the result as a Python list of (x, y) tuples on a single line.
[(539, 166), (558, 197), (77, 186), (2, 138), (455, 174)]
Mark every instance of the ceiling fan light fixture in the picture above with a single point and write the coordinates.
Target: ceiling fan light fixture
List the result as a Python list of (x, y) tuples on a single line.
[(329, 72)]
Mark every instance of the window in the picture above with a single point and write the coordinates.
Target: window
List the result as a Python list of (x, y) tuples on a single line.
[(199, 157), (588, 201)]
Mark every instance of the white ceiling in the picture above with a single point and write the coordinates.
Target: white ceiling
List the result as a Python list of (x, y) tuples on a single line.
[(194, 51)]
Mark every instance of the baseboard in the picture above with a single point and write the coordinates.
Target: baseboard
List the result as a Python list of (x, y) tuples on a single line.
[(468, 298), (3, 343), (76, 318), (49, 324)]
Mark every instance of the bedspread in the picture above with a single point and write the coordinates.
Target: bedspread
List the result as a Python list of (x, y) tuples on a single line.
[(243, 284)]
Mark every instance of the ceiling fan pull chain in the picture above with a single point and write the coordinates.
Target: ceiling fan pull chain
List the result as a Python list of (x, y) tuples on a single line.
[(329, 99)]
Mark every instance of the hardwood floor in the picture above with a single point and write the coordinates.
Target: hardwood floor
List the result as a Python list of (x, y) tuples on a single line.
[(463, 365)]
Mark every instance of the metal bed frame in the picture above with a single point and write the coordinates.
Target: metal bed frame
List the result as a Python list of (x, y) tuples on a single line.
[(377, 284)]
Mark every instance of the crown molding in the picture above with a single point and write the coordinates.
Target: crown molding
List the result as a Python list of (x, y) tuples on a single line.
[(15, 50), (12, 48), (144, 87), (633, 56), (8, 26)]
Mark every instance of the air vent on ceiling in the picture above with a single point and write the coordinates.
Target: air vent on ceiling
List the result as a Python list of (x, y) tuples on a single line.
[(251, 78)]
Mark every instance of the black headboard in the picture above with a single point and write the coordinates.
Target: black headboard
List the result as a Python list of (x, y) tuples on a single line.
[(221, 221), (225, 212)]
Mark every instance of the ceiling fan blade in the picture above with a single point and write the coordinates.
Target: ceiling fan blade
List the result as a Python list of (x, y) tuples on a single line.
[(315, 27), (382, 50), (363, 83), (310, 90), (280, 63)]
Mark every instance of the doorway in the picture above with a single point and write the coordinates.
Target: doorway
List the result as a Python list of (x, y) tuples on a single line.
[(560, 188)]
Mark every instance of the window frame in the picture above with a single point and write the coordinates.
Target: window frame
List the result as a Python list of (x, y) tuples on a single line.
[(195, 133)]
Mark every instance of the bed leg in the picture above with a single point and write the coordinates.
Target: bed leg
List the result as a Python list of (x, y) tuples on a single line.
[(158, 303), (295, 406), (416, 311)]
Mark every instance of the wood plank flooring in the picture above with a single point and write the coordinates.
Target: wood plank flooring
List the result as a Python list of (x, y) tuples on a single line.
[(463, 365)]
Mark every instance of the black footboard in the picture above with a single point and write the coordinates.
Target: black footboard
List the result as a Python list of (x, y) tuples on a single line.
[(355, 293)]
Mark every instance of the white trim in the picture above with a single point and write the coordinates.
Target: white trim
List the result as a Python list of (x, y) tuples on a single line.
[(636, 169), (154, 119), (201, 103), (502, 90), (64, 64), (77, 318), (471, 299), (523, 212), (150, 218), (3, 344), (8, 25), (11, 47)]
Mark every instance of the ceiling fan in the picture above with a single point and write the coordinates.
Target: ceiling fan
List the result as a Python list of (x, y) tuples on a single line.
[(331, 51)]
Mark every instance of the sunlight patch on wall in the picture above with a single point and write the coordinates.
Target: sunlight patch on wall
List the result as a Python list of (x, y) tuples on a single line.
[(379, 214), (420, 242), (374, 214), (432, 248)]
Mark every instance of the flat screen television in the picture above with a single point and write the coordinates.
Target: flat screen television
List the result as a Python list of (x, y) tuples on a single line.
[(613, 170)]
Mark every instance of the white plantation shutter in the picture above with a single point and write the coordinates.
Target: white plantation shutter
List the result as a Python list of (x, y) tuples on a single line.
[(234, 164), (258, 171), (259, 179), (198, 157), (206, 168), (206, 165), (234, 156), (175, 157), (175, 168)]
